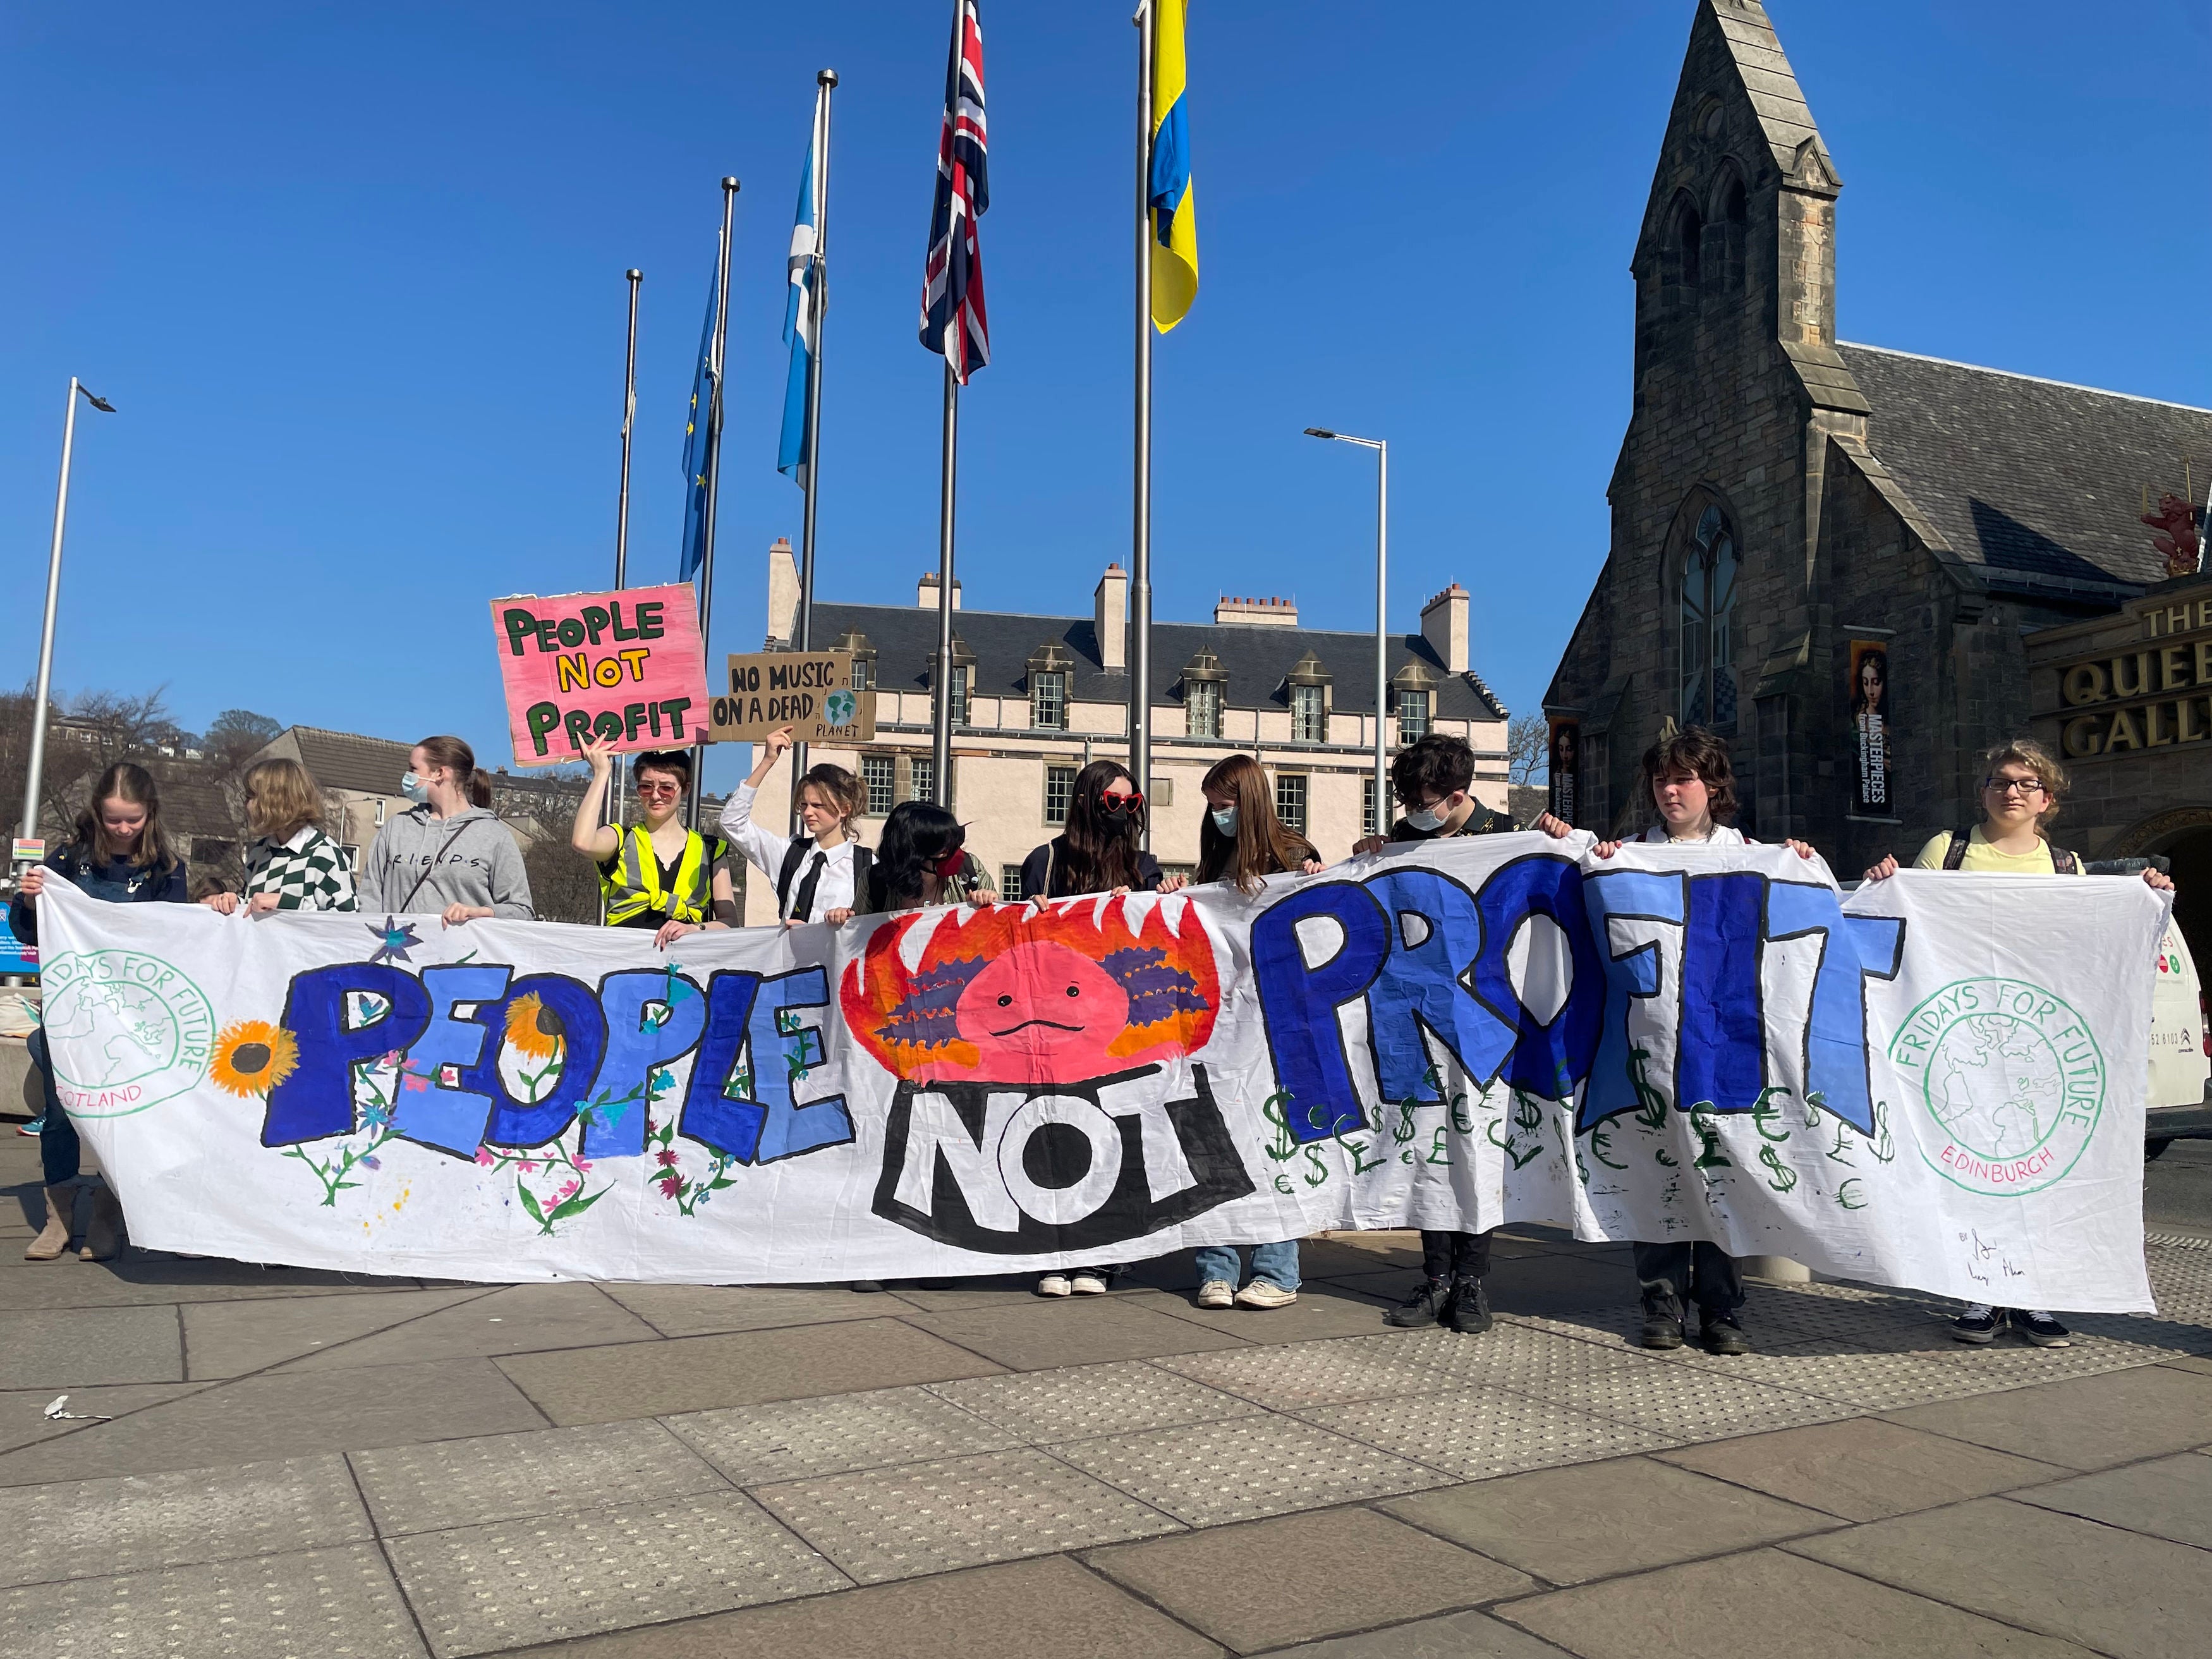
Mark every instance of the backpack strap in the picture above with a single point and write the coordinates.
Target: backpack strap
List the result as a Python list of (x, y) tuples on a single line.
[(2065, 861), (1954, 855), (794, 855)]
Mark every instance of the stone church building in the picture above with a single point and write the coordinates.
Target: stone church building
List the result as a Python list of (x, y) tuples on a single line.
[(1805, 530)]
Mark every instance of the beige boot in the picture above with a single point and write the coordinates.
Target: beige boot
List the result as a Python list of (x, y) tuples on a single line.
[(103, 1234), (61, 1210)]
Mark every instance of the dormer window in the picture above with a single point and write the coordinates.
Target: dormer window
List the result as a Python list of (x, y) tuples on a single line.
[(1412, 695), (864, 658), (1051, 671), (1307, 686), (1204, 683), (962, 679)]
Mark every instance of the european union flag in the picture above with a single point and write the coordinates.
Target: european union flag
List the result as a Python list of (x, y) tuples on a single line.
[(698, 441)]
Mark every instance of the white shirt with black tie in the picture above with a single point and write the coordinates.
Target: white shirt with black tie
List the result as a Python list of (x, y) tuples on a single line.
[(767, 850)]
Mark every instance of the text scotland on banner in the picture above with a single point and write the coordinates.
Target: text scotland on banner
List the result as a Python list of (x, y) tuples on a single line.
[(626, 668), (1909, 1087)]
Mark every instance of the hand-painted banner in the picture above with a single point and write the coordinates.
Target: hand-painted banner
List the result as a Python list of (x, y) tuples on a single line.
[(1938, 1083), (625, 668)]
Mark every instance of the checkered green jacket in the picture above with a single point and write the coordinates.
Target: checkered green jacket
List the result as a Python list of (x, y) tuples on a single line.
[(307, 872)]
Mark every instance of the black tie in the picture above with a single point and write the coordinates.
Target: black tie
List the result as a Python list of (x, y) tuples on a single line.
[(802, 903)]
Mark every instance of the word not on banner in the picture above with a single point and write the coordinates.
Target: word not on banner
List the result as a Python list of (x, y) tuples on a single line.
[(811, 691), (625, 668)]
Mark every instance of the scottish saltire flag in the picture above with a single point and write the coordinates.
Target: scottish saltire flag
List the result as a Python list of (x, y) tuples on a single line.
[(953, 324), (1175, 221), (698, 440), (794, 454)]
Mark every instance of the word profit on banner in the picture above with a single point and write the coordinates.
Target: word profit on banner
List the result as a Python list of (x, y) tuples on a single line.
[(625, 668)]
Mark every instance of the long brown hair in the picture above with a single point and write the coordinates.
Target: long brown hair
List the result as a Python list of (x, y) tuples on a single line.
[(457, 757), (1263, 845), (281, 798), (124, 782), (1102, 849)]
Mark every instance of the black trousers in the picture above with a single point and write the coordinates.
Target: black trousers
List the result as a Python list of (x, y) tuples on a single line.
[(1455, 1255), (1675, 1276)]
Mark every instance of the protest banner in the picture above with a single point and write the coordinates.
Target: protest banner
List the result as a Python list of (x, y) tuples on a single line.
[(811, 691), (625, 667), (1916, 1086)]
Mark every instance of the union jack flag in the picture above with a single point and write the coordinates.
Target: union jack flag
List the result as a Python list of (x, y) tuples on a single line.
[(953, 324)]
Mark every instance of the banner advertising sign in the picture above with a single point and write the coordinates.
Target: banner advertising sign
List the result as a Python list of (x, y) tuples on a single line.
[(1914, 1086), (1872, 796), (811, 691), (625, 667), (1565, 767)]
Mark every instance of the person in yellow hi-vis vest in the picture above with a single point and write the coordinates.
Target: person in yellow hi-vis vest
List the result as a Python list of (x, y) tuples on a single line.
[(657, 874)]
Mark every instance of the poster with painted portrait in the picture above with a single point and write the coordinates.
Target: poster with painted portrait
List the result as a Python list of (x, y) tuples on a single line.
[(1566, 757), (1871, 717)]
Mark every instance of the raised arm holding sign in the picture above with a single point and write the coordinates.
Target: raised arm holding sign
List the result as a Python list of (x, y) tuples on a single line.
[(625, 669)]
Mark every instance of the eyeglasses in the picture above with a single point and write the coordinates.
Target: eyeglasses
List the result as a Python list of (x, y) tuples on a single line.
[(1132, 802), (2024, 786), (659, 789)]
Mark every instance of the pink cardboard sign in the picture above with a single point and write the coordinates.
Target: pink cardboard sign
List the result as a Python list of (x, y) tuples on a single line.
[(626, 667)]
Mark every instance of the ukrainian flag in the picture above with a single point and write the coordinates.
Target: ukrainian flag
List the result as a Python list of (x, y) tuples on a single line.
[(1175, 221)]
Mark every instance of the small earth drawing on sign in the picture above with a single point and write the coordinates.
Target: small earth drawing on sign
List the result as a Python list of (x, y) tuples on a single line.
[(1994, 1082), (839, 707), (130, 1031)]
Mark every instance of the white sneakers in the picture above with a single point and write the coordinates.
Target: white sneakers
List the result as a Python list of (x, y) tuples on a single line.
[(1264, 1293), (1217, 1293), (1053, 1284), (1087, 1284), (1084, 1283)]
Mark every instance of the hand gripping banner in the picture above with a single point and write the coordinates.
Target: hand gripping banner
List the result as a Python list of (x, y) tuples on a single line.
[(1937, 1083)]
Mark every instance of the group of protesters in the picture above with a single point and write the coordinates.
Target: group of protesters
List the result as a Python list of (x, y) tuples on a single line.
[(450, 854)]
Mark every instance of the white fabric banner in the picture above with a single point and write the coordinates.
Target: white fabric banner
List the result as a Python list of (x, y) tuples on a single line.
[(1937, 1082)]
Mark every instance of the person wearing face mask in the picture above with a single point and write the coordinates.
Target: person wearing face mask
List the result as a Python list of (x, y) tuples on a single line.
[(448, 852), (923, 861), (821, 871), (2022, 787), (121, 856), (657, 874), (1243, 842)]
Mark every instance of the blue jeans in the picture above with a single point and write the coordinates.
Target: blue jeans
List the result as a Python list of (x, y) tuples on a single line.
[(58, 1149), (1276, 1263)]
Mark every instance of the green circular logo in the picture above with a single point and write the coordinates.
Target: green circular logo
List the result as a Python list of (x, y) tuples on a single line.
[(2008, 1082), (126, 1030)]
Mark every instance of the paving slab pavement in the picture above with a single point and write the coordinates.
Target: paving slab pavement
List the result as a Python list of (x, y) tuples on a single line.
[(311, 1463)]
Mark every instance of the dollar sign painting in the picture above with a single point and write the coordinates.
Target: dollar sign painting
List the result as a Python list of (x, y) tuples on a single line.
[(1405, 1131), (1319, 1169), (1780, 1176), (1884, 1149), (1282, 1145)]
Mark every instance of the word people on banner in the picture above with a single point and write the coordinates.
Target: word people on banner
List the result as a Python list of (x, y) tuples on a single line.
[(625, 668)]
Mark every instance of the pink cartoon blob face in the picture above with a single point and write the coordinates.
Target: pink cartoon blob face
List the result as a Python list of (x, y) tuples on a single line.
[(1043, 1010)]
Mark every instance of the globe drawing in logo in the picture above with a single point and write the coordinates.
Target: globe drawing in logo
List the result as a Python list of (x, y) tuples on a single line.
[(839, 707), (2008, 1082), (125, 1030)]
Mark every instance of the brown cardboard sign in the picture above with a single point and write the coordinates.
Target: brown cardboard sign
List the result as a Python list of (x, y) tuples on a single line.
[(811, 691)]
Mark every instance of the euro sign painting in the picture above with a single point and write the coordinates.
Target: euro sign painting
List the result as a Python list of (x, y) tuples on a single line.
[(1911, 1087)]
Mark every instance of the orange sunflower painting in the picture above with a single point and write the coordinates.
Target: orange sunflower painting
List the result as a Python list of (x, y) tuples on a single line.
[(534, 1029), (252, 1057)]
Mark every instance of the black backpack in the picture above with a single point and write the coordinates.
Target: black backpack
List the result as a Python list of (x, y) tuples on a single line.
[(2062, 861), (794, 859)]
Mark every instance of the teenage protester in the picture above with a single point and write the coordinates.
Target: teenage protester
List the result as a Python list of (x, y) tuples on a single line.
[(1243, 841), (820, 871), (657, 874), (922, 860), (290, 865), (119, 855), (1690, 786), (1101, 850), (2022, 787), (1433, 780), (447, 850)]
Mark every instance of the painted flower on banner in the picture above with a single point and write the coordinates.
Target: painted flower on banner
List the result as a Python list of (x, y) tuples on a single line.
[(252, 1057), (534, 1029), (392, 940), (1027, 993)]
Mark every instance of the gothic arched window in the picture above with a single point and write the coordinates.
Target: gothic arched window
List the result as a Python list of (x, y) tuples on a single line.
[(1708, 657)]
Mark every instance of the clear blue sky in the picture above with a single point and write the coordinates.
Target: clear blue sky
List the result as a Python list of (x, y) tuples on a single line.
[(353, 276)]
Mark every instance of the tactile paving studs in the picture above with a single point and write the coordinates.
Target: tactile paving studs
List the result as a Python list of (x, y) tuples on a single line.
[(788, 1439), (1207, 1474), (1475, 1433), (1688, 1403), (505, 1477), (880, 1524), (1299, 1374), (1082, 1402)]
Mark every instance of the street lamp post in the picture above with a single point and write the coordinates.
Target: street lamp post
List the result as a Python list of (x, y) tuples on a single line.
[(35, 776), (1382, 448)]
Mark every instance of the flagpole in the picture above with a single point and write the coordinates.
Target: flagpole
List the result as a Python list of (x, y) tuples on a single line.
[(827, 80), (1140, 552), (941, 743), (713, 471), (621, 506)]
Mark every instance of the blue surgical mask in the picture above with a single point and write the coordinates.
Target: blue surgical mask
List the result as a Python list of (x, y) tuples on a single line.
[(1225, 819), (1424, 820), (415, 789)]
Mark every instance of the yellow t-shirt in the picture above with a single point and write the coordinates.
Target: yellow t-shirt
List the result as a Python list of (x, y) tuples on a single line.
[(1980, 855)]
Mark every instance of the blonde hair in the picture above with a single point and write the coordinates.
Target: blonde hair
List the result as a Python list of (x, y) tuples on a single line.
[(281, 798), (2026, 751)]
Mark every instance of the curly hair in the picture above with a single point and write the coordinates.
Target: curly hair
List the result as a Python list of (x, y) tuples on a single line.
[(1704, 757), (2026, 751)]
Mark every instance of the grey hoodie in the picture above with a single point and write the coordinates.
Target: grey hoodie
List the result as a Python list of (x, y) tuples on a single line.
[(477, 863)]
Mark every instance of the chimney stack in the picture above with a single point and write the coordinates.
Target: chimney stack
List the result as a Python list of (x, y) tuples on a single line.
[(925, 594), (1263, 613), (1445, 626), (1110, 615), (782, 592)]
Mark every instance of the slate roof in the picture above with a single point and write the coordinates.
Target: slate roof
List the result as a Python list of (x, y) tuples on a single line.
[(2038, 482), (1255, 656), (346, 760)]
